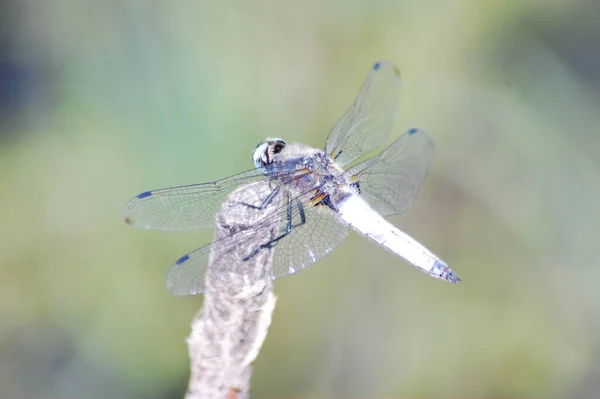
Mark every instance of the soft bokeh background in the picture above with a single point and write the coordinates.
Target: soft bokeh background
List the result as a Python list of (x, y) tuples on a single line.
[(102, 100)]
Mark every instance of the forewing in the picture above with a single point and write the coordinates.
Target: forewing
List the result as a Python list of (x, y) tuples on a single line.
[(390, 181), (367, 124), (186, 207)]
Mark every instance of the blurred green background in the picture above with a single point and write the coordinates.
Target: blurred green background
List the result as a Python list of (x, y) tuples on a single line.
[(102, 100)]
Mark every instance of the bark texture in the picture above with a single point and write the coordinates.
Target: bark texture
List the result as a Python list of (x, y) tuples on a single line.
[(229, 330)]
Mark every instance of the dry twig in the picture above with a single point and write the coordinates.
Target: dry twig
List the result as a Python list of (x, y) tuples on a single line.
[(229, 330)]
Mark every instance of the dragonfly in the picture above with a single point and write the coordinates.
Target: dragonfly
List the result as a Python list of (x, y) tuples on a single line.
[(315, 195)]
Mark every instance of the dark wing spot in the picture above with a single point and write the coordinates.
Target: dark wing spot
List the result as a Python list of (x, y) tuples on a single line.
[(144, 195), (182, 259)]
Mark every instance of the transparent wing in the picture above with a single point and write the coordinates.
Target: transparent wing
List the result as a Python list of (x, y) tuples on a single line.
[(186, 207), (186, 276), (308, 242), (367, 124), (314, 232), (240, 229), (390, 181)]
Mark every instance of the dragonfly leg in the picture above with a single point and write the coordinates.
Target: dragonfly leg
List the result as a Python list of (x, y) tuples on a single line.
[(288, 228), (266, 201), (289, 225), (301, 213)]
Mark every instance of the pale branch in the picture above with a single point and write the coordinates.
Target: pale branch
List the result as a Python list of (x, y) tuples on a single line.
[(229, 330)]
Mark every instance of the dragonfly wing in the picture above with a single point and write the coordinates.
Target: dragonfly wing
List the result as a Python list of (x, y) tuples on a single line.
[(186, 276), (368, 123), (186, 207), (390, 181), (294, 233), (244, 223), (316, 231)]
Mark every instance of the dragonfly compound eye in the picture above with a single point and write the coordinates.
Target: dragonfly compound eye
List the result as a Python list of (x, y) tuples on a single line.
[(278, 146), (260, 155), (274, 147), (265, 152)]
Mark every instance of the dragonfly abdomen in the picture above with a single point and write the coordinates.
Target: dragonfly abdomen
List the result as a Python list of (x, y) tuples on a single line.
[(359, 215)]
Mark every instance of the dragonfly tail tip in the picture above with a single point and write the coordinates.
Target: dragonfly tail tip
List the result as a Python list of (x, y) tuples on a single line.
[(442, 271), (452, 277)]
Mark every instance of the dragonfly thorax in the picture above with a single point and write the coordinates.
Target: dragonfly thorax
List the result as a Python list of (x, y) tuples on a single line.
[(311, 170)]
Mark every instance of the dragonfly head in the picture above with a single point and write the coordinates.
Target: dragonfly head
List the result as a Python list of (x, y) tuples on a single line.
[(266, 151)]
